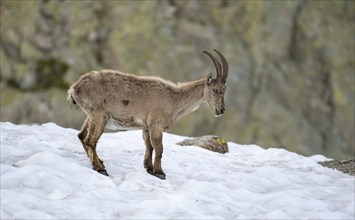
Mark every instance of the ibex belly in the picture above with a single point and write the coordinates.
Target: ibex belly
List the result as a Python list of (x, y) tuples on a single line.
[(124, 123)]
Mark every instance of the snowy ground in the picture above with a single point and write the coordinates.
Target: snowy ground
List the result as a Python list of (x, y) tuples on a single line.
[(45, 174)]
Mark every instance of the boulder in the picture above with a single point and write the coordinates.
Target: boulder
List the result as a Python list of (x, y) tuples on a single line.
[(209, 142)]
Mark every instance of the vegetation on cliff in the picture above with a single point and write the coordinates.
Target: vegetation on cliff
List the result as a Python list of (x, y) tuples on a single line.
[(291, 80)]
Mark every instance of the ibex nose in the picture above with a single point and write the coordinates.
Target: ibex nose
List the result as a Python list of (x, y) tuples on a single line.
[(219, 112)]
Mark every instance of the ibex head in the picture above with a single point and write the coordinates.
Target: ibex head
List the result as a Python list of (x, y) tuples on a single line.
[(215, 88)]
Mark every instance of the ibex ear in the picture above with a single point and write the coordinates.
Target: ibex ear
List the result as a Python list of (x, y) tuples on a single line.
[(209, 79)]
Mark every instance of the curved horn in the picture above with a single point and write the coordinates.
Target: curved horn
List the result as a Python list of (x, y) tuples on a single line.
[(225, 65), (217, 64)]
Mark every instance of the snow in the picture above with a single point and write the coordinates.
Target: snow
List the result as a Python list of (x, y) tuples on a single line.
[(46, 174)]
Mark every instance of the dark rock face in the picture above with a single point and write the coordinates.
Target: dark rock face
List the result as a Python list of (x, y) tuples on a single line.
[(291, 80)]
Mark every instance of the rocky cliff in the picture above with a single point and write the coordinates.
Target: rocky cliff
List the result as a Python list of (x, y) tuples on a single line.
[(291, 81)]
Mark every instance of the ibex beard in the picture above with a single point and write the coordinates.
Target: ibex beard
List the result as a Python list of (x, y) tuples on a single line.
[(113, 99)]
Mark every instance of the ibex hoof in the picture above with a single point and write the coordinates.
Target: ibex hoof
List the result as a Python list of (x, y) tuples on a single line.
[(158, 175), (103, 172)]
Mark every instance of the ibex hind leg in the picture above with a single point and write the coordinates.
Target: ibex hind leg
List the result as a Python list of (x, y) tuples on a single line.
[(95, 129), (83, 134)]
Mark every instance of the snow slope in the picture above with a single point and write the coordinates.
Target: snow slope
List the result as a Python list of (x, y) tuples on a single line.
[(45, 174)]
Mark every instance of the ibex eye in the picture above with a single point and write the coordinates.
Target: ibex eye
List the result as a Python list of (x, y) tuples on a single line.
[(215, 90)]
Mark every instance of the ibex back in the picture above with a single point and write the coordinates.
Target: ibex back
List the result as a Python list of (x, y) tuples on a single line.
[(114, 99)]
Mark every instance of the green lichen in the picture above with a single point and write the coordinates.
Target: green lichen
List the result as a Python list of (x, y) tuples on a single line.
[(50, 73), (221, 141)]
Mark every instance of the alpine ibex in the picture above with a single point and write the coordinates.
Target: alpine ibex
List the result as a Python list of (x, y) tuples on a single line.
[(115, 99)]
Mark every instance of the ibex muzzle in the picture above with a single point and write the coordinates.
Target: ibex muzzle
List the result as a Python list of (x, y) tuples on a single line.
[(151, 104)]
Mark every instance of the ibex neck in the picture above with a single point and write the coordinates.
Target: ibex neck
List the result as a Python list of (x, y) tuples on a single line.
[(190, 96)]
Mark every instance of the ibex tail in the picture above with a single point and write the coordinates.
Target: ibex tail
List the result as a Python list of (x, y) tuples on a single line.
[(70, 96)]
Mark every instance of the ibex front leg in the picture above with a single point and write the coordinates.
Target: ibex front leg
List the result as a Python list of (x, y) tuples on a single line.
[(156, 139), (148, 165)]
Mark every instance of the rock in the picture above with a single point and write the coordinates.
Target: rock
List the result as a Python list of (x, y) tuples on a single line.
[(345, 166), (209, 142)]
